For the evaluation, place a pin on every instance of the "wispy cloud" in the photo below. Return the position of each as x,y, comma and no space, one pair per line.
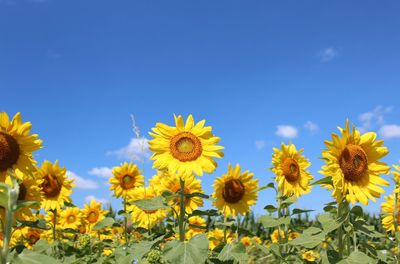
328,54
374,118
137,149
260,144
101,200
311,126
103,172
286,131
81,183
390,131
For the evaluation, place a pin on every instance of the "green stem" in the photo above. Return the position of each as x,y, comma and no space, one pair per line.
225,240
237,229
355,240
182,210
125,222
340,232
54,224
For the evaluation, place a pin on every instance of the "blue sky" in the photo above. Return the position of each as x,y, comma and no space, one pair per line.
260,73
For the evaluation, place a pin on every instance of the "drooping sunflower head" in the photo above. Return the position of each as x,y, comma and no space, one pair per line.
126,178
290,168
388,214
55,185
235,192
353,162
71,218
185,148
171,182
92,213
16,146
144,218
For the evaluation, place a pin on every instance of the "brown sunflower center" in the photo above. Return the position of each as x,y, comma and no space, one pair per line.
93,216
291,169
128,181
82,229
33,238
9,151
50,186
22,192
233,191
185,147
71,218
353,162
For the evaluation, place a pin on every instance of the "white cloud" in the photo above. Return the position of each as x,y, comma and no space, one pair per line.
260,144
328,54
81,183
103,172
286,131
374,118
390,131
101,200
311,126
137,149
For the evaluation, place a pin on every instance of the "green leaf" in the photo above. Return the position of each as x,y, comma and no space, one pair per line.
357,210
235,252
209,212
197,194
268,186
108,221
271,209
41,224
325,180
143,247
154,203
356,258
193,251
310,238
21,204
300,211
32,257
328,222
268,221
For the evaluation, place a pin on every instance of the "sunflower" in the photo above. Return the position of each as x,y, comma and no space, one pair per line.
55,186
353,163
396,177
216,237
71,218
16,146
290,168
126,178
92,213
310,256
235,192
156,181
144,218
388,214
185,148
276,235
192,185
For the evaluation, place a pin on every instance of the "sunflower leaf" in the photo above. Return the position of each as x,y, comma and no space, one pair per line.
21,204
189,252
325,180
154,203
300,211
108,221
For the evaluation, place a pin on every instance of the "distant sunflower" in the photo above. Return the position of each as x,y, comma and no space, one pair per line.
92,213
156,181
310,256
185,148
126,178
71,218
31,235
290,168
352,161
55,186
192,185
388,214
396,175
16,146
235,192
144,218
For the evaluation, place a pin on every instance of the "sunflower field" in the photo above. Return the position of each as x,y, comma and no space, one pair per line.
165,222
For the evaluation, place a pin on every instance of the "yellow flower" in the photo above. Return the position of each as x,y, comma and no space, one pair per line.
144,218
235,192
155,181
92,213
55,186
192,185
107,252
275,236
31,235
216,236
353,163
185,148
290,168
126,178
71,218
292,235
16,146
388,213
396,175
310,256
246,241
50,219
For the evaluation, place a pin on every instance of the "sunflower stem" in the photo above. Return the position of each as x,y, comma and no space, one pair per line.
125,223
54,224
237,229
182,210
225,230
340,232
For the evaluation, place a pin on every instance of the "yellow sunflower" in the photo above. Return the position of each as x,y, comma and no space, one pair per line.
185,148
290,168
31,235
310,256
388,214
55,186
396,177
16,146
156,181
192,185
276,235
235,192
216,236
92,213
144,218
71,218
352,161
126,178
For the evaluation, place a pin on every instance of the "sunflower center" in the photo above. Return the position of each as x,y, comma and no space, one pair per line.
22,192
9,151
82,229
291,169
71,218
185,147
353,162
93,216
50,186
233,191
33,238
128,182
